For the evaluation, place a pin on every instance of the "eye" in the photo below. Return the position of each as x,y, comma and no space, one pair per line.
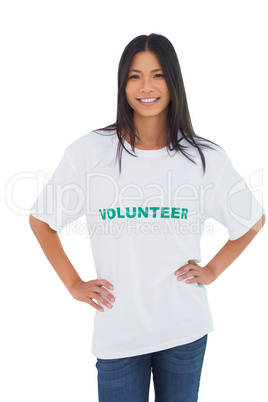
134,77
159,75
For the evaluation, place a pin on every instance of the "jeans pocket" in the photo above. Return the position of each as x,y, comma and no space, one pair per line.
112,364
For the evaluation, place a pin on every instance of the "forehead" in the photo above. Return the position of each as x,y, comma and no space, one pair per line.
144,60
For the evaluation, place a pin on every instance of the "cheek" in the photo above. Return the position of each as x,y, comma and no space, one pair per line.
168,97
164,90
129,89
129,93
129,100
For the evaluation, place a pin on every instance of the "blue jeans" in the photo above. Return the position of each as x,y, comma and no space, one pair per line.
176,375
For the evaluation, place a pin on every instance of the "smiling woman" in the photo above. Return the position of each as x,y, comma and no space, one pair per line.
148,95
158,204
149,68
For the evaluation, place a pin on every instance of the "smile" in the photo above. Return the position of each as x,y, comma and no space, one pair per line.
149,100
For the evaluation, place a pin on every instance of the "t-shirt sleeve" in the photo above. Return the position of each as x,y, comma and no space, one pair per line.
233,204
62,199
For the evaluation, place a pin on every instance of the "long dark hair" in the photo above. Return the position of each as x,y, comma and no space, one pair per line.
178,117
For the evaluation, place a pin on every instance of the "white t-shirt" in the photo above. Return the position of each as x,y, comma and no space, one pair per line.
143,225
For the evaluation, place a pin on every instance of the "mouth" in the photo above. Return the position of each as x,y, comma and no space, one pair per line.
148,101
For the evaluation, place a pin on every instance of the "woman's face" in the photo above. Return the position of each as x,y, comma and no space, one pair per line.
146,90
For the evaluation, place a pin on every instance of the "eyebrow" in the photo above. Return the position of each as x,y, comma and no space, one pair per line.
153,71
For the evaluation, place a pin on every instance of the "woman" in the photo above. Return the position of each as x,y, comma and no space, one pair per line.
147,184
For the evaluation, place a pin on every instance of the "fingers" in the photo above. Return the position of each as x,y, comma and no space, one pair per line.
100,299
192,264
191,273
98,291
103,282
97,296
95,305
103,291
94,289
188,271
184,269
193,280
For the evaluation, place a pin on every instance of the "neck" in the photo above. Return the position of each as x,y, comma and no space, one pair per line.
151,131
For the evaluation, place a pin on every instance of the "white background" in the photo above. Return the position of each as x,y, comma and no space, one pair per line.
58,82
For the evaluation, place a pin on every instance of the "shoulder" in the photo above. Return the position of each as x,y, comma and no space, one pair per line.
215,156
91,147
94,139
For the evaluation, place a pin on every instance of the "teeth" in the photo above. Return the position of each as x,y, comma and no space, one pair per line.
148,100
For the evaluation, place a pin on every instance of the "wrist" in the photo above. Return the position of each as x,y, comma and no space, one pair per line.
73,283
213,272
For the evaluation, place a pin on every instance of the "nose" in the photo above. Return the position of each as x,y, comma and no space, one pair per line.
146,85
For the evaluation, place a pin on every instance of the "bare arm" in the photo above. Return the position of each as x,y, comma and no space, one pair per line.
228,254
51,245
